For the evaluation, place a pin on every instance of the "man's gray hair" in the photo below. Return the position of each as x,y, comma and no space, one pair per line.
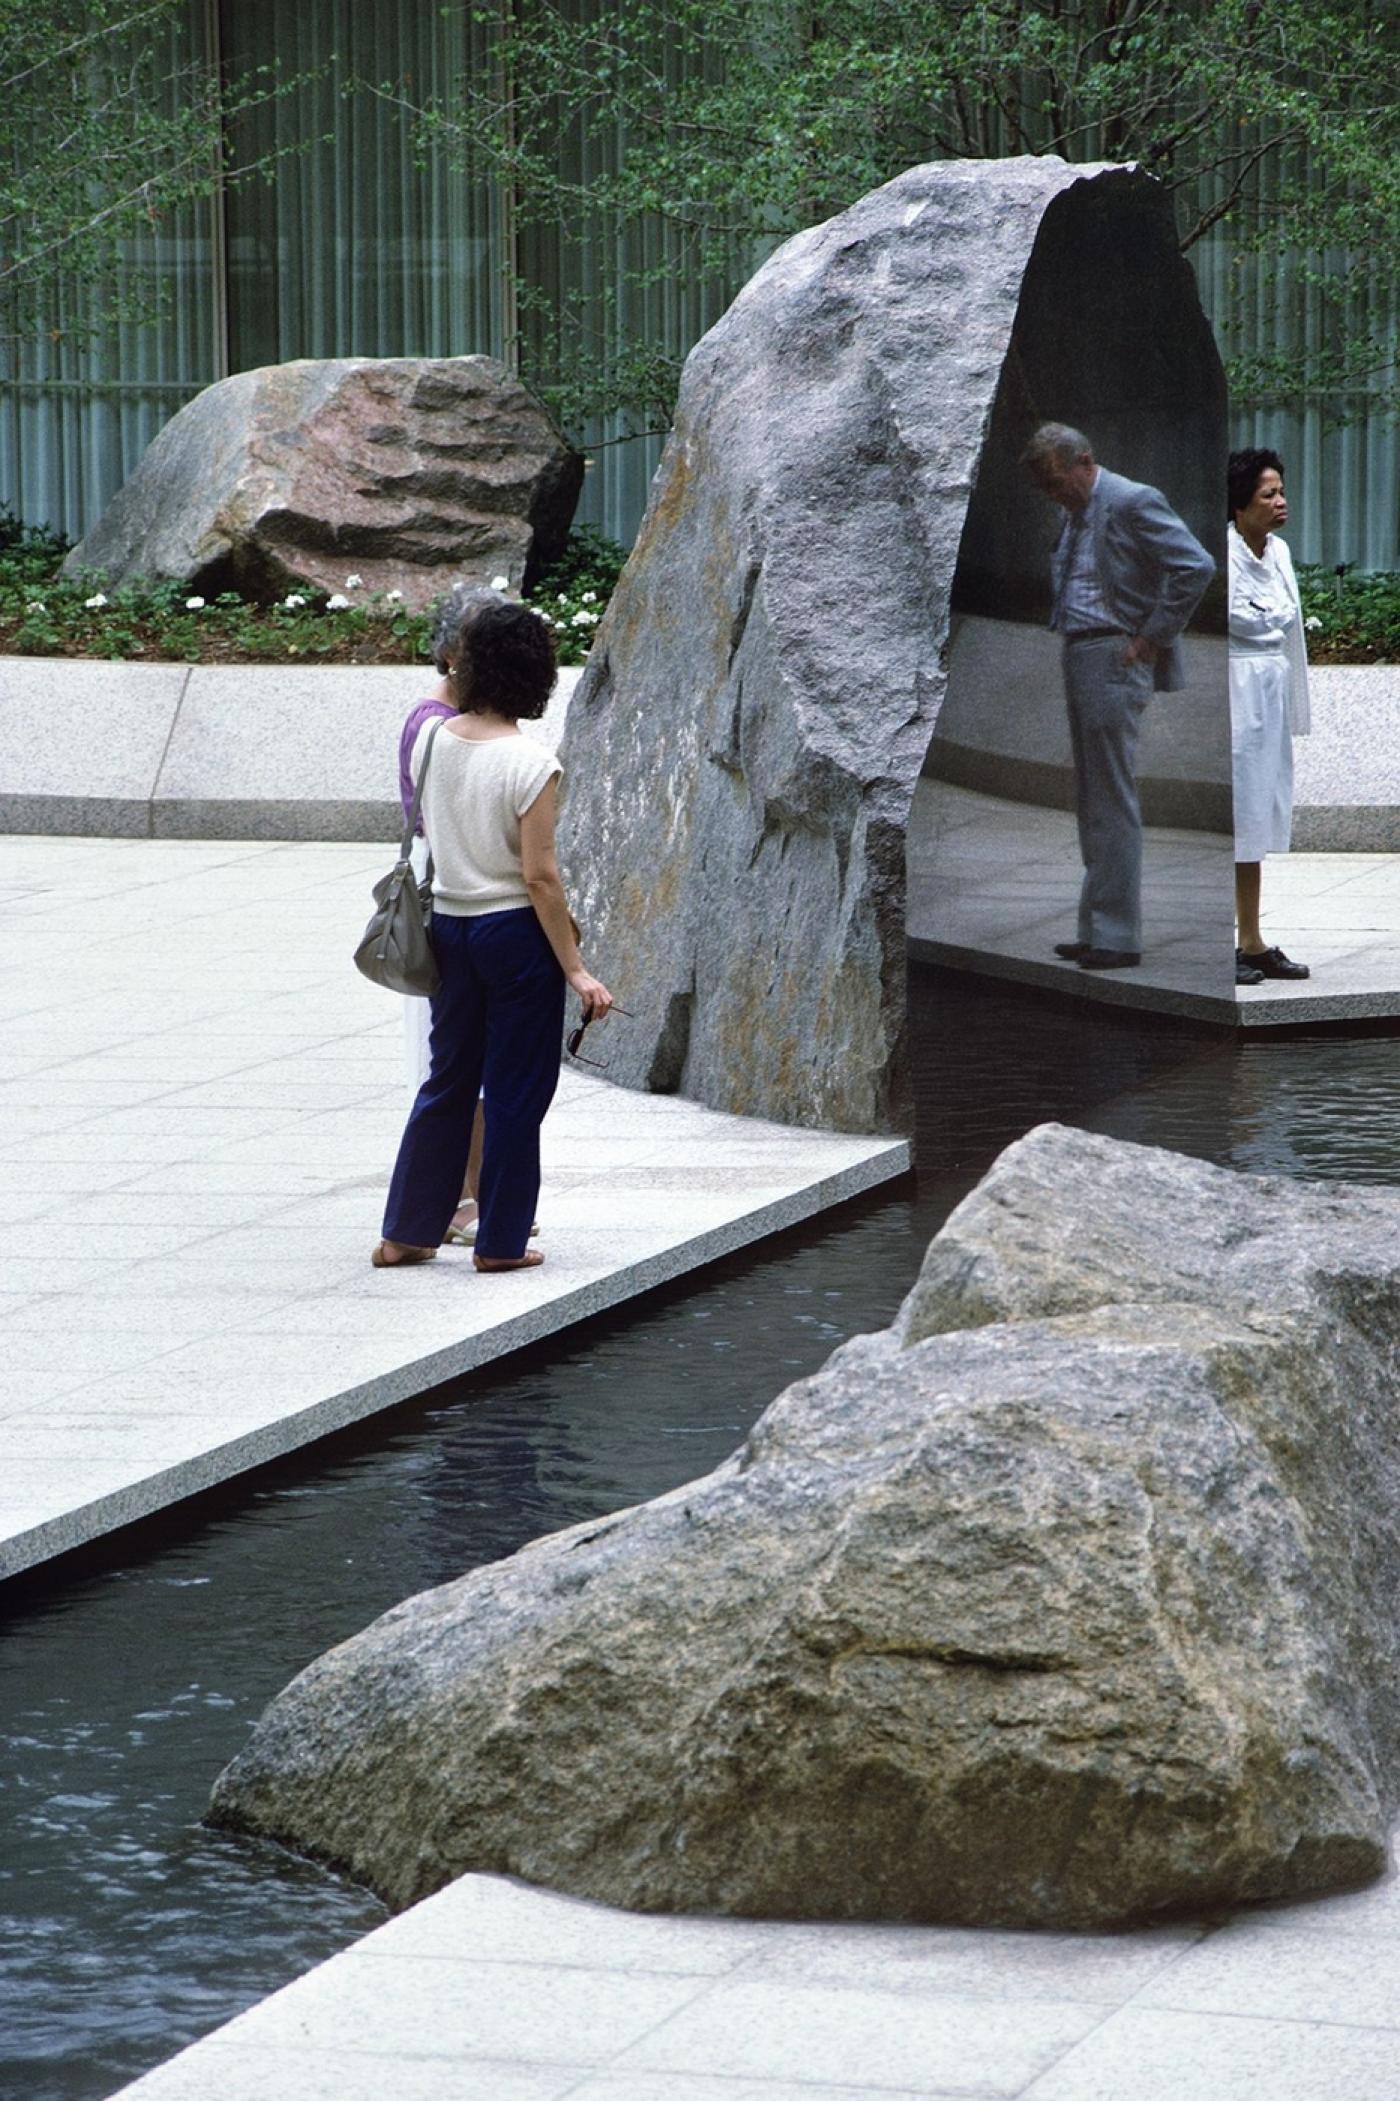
1058,442
452,615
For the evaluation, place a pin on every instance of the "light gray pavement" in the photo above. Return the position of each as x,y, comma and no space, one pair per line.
201,1102
993,885
491,1991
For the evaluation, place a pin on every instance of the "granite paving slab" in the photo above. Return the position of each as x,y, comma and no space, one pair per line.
491,1984
196,1129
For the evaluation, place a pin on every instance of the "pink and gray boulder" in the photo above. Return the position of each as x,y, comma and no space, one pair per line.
407,473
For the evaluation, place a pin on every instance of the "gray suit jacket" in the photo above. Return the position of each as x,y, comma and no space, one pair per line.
1152,569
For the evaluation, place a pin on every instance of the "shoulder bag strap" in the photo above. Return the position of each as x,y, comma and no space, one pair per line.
412,825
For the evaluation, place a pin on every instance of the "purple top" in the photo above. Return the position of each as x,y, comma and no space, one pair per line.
422,711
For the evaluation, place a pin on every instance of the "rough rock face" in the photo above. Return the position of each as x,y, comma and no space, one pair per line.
1072,1599
408,472
744,746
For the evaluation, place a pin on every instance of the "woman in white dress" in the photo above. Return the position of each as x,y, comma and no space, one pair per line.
1268,696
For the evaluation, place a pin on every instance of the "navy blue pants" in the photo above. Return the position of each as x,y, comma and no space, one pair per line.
497,1020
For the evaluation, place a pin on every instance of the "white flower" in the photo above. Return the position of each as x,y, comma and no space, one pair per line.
500,583
36,605
194,605
337,602
294,600
584,619
1312,623
354,583
395,596
562,599
98,598
590,598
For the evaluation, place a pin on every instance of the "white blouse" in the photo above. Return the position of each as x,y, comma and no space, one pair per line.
476,793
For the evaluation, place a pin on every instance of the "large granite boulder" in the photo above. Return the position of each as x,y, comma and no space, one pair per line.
408,472
744,747
1073,1599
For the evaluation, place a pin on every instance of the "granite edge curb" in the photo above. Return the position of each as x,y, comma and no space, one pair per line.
341,811
26,1550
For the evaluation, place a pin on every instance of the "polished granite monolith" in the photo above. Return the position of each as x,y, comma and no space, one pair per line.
745,744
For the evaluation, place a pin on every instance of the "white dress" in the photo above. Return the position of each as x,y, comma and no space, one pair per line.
1268,693
417,1013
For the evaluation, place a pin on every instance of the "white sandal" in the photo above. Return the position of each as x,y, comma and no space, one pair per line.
464,1235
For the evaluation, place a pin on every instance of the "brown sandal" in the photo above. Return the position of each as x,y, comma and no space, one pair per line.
405,1258
531,1259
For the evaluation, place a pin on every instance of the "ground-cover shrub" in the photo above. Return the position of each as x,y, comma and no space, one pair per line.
574,591
1352,615
45,614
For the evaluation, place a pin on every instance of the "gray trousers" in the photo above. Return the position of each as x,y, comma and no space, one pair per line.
1106,699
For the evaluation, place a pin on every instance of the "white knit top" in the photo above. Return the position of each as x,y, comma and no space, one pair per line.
476,794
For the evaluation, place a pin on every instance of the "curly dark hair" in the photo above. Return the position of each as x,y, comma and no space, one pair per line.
1244,474
503,655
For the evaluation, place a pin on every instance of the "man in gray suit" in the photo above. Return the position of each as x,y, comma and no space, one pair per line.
1127,577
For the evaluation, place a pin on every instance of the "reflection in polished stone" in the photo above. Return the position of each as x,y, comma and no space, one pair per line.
994,884
1109,341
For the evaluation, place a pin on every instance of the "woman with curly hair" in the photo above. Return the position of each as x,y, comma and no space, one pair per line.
503,938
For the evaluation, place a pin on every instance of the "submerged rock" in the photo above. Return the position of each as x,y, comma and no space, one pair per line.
408,472
1072,1599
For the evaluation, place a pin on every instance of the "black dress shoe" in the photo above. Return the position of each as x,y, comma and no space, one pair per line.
1245,972
1109,958
1071,950
1272,963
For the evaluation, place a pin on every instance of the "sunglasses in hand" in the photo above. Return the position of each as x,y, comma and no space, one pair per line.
575,1038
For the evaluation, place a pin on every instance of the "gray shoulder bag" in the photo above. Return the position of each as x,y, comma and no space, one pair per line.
394,950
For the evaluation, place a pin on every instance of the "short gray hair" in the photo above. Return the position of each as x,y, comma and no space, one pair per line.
453,615
1058,442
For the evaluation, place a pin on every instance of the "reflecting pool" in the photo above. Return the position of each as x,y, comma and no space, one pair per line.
126,1929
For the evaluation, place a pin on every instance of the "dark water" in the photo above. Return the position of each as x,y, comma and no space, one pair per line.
125,1928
